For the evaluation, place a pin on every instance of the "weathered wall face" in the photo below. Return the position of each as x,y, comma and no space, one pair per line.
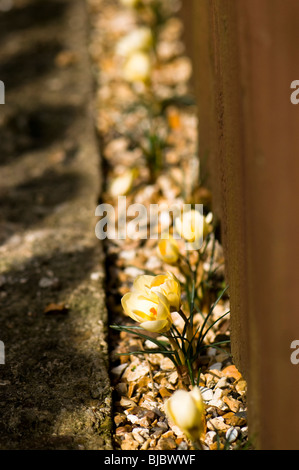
245,57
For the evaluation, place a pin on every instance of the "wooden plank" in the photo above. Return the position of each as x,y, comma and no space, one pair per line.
245,60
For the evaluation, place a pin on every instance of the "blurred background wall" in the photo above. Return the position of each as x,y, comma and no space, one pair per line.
245,56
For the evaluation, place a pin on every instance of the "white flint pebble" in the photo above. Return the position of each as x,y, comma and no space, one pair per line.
207,394
231,434
222,383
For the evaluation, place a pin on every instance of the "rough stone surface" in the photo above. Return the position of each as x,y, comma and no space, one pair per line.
54,387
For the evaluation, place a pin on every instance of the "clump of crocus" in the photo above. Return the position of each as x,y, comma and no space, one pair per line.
168,250
186,410
138,68
140,39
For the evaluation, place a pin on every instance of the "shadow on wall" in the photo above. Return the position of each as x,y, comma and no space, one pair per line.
25,130
38,13
48,370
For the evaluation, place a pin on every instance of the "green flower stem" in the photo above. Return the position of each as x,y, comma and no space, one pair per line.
189,330
176,347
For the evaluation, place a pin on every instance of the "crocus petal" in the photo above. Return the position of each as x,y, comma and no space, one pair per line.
158,326
142,283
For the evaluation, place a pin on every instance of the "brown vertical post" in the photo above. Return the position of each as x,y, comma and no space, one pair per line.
246,56
269,39
218,89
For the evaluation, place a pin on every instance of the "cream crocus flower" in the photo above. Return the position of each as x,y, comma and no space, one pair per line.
168,251
122,184
151,311
137,68
140,39
186,410
165,284
192,226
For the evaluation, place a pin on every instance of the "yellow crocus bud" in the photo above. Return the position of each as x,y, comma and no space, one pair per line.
192,226
151,311
168,251
186,410
138,68
167,285
122,184
140,39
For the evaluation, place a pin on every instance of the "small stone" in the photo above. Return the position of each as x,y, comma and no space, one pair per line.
244,432
157,432
146,445
166,364
231,371
126,403
133,419
173,378
218,404
216,366
212,378
164,392
177,431
150,345
232,435
211,352
127,254
183,446
129,443
145,422
233,419
150,415
137,436
218,394
233,404
222,383
134,373
121,388
168,434
133,272
123,429
162,425
207,394
217,424
118,370
120,419
143,432
210,438
166,444
241,387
